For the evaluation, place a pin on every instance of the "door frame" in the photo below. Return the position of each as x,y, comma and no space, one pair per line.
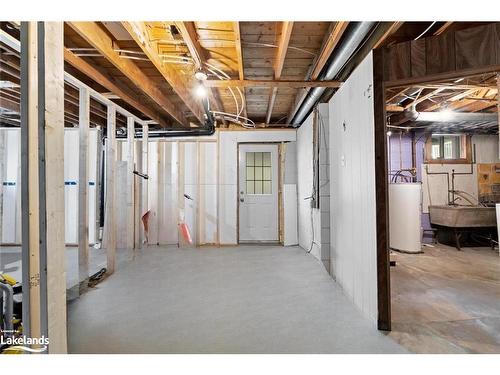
280,194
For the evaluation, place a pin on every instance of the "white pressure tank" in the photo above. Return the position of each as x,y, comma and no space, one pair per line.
405,210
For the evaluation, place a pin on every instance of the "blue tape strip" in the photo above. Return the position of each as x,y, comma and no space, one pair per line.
69,182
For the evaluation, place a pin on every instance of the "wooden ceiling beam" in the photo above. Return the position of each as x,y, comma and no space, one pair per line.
395,26
286,33
271,83
91,72
422,98
443,28
139,32
239,57
331,41
454,98
329,45
190,37
102,42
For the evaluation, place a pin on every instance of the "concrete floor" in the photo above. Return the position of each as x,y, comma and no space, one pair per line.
10,262
447,301
246,299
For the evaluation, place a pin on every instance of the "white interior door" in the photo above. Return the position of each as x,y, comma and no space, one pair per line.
258,192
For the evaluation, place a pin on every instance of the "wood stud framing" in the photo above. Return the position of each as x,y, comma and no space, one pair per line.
42,158
110,210
83,168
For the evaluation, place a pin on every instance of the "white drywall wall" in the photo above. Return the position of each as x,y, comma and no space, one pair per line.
352,189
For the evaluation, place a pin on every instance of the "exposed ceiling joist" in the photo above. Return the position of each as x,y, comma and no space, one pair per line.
454,98
286,32
100,40
332,41
9,104
239,56
391,30
139,32
443,28
91,72
188,33
422,98
271,83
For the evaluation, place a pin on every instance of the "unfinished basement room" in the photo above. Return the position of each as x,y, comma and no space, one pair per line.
249,187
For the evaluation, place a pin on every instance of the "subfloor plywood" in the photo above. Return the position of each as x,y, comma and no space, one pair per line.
447,301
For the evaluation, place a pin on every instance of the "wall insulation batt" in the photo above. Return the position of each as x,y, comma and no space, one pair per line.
11,188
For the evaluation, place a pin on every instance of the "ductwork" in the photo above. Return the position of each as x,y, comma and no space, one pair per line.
338,60
411,115
456,116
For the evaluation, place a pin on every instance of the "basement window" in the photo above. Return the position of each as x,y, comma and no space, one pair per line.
258,168
448,148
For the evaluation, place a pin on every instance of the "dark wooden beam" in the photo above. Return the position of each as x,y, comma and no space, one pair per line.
381,195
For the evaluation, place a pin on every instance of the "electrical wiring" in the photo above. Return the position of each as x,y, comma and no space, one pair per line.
425,31
239,109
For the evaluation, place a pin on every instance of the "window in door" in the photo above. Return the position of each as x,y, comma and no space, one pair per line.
258,173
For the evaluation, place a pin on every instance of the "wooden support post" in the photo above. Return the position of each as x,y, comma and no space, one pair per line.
42,159
145,183
498,107
110,216
381,194
83,167
130,183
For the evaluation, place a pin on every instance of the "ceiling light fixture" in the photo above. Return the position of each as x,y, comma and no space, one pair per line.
201,91
200,75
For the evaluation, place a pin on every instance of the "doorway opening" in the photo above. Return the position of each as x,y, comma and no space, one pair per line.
443,187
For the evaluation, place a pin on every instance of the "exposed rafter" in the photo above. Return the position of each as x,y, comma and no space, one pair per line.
101,41
286,32
139,32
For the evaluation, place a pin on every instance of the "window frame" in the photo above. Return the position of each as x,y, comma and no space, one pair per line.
468,151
